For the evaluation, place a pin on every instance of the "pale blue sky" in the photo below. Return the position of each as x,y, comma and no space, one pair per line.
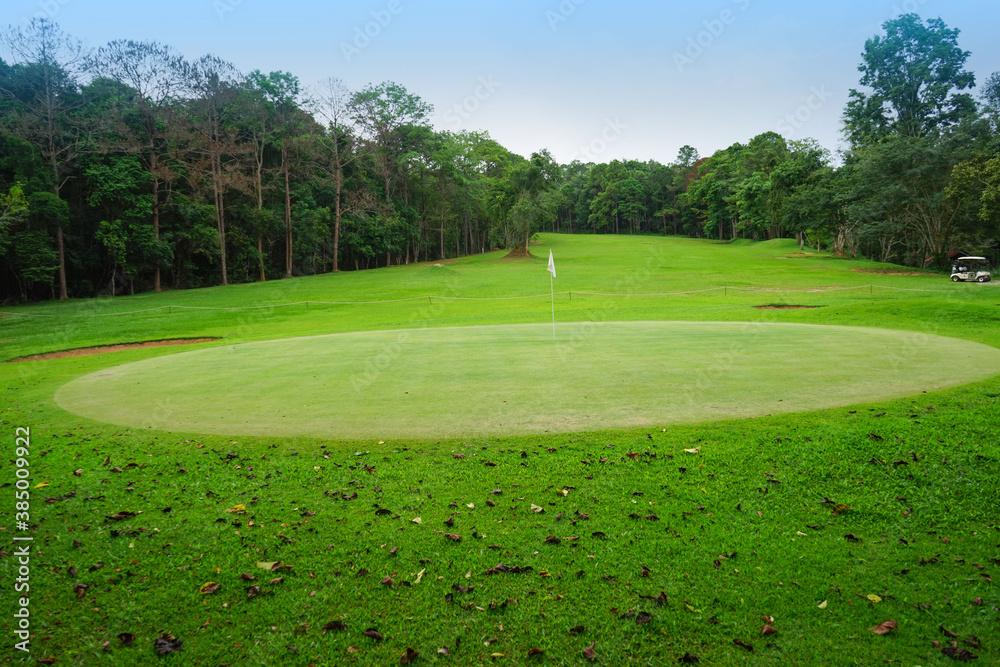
584,78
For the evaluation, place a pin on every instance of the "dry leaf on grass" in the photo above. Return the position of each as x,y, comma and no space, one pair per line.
884,628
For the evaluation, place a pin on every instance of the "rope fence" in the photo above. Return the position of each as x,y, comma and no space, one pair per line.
431,297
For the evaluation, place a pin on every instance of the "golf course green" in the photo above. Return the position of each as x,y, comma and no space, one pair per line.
516,380
720,436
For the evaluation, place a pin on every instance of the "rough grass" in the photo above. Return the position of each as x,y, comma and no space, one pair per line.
742,529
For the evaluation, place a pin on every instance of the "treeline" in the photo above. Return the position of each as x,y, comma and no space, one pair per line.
130,168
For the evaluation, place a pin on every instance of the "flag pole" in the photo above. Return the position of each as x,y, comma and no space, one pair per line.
552,288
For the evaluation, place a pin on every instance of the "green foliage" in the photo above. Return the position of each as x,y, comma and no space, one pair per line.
13,210
33,257
231,172
915,73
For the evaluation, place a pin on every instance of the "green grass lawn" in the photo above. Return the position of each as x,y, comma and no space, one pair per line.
460,381
651,541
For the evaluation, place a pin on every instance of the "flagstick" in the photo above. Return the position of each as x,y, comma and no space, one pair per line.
553,290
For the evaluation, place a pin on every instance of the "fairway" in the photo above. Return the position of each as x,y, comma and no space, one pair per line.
515,380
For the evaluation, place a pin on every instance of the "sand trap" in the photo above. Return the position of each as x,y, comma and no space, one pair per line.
118,347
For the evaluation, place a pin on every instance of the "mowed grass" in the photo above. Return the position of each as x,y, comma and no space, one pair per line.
677,551
460,382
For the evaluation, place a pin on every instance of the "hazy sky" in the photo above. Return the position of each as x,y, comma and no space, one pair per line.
588,79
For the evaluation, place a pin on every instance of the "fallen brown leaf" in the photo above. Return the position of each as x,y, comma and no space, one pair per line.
960,654
885,628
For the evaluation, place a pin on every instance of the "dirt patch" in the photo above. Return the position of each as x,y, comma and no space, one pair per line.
784,307
512,257
891,272
101,349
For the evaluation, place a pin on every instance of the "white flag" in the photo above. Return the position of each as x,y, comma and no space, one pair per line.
552,265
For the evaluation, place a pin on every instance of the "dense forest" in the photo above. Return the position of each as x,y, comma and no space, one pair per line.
130,167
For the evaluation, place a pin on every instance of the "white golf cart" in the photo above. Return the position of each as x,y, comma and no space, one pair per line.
969,269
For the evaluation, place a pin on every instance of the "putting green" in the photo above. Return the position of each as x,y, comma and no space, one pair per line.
503,380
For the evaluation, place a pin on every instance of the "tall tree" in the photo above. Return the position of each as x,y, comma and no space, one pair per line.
907,178
156,75
381,111
914,75
214,84
47,98
332,101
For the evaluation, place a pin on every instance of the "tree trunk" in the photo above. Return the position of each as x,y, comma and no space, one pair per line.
442,229
260,256
288,212
259,182
338,186
156,216
386,176
220,221
62,264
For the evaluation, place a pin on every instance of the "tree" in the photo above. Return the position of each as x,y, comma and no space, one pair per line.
686,156
155,75
632,204
904,180
991,100
914,74
523,208
332,102
381,111
13,210
215,83
47,99
119,188
816,207
709,195
443,165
